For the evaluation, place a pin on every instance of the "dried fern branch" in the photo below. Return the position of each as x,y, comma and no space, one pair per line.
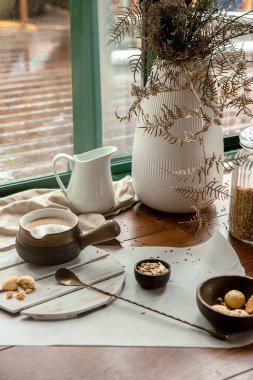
204,213
199,194
190,175
189,46
128,23
215,190
193,193
226,163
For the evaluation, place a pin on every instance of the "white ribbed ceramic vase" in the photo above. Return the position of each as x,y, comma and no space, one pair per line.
154,158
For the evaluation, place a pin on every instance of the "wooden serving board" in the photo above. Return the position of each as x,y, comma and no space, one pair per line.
52,300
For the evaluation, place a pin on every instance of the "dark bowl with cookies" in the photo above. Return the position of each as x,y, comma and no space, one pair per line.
215,302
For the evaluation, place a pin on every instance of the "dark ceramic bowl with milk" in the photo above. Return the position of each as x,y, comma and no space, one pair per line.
52,236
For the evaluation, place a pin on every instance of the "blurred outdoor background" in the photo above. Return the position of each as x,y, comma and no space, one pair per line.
36,92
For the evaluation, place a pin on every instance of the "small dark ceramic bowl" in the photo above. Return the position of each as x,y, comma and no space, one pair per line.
210,290
152,281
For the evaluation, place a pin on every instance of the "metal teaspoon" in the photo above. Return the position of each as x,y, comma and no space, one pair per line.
66,277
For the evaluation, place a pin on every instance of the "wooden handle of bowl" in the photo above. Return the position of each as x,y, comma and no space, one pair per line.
107,231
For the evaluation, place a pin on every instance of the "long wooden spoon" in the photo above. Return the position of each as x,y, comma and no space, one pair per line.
66,277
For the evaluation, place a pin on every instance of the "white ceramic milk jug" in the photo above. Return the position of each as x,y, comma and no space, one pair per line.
90,187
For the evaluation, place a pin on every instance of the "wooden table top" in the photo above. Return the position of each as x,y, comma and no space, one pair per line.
139,226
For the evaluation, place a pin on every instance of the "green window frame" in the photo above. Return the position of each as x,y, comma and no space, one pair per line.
87,108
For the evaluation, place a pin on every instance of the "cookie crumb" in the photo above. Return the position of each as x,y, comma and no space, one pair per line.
21,295
9,294
28,291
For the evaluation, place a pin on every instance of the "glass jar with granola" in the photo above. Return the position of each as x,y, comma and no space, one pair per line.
241,201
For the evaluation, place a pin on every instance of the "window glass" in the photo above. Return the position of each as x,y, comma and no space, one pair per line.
233,123
116,78
35,88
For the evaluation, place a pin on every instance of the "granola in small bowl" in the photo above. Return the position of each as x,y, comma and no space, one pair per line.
152,273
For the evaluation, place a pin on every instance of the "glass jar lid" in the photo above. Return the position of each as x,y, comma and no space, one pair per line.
246,137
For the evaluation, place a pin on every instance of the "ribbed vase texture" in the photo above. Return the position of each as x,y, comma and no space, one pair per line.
155,158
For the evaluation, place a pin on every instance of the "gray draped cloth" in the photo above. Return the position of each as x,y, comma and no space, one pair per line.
14,206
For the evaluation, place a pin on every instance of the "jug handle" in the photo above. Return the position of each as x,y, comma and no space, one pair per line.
107,231
58,157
